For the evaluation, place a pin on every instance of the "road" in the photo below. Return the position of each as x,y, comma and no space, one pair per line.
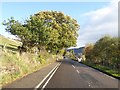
71,74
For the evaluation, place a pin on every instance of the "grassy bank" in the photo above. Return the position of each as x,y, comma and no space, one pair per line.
105,69
14,66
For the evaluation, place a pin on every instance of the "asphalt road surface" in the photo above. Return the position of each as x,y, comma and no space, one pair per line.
71,74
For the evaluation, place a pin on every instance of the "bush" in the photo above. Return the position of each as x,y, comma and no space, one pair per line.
105,52
41,59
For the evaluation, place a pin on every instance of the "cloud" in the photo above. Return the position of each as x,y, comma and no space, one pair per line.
99,23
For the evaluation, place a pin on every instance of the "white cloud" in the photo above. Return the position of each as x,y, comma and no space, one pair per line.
99,23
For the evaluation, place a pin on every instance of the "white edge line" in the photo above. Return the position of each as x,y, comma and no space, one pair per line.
45,77
50,78
101,72
109,76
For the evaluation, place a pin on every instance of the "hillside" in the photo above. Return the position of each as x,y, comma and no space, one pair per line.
14,66
9,42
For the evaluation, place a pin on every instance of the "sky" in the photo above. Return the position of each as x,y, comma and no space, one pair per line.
96,19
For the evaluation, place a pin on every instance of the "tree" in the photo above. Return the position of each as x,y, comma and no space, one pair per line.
50,30
61,28
101,49
105,52
88,51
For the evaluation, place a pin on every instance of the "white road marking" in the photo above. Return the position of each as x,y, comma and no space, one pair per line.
46,77
100,72
77,71
73,66
109,76
49,78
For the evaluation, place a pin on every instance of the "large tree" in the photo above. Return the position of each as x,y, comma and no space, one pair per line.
51,30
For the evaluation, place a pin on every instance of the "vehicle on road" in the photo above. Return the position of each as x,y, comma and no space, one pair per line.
78,58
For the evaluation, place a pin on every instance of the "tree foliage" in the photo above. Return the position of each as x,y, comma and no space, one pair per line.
50,30
105,52
88,51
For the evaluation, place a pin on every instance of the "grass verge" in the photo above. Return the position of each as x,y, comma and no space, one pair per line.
14,66
107,70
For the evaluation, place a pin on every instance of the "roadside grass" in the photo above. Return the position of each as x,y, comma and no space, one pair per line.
14,66
108,70
105,69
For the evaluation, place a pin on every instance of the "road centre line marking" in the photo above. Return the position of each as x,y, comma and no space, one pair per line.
73,66
46,77
49,78
77,71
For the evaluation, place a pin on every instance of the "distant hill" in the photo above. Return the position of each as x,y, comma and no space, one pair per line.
77,50
8,41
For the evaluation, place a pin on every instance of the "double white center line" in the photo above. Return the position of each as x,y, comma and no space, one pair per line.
49,76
